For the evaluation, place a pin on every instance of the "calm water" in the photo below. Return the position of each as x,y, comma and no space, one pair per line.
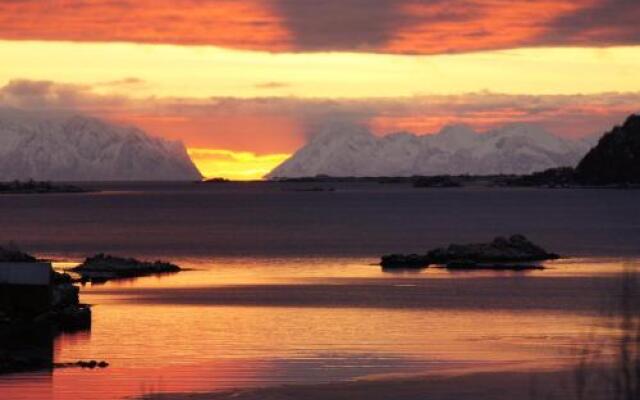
281,286
192,220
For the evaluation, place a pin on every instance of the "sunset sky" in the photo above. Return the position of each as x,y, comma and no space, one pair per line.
245,83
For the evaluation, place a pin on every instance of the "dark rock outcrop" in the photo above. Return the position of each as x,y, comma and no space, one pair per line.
513,253
616,158
103,267
405,261
516,248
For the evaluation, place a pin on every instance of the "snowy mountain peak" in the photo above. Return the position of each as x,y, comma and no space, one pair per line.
62,146
456,149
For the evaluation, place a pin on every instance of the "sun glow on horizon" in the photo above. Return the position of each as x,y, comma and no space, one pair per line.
234,165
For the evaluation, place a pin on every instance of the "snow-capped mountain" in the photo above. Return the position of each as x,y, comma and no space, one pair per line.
456,149
66,147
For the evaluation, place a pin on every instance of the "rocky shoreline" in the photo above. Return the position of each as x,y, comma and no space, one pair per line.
513,253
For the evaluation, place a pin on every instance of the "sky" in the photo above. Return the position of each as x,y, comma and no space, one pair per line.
245,83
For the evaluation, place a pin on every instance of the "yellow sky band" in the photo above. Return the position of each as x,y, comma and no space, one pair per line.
205,71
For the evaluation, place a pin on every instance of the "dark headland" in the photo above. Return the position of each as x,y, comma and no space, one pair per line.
616,158
614,162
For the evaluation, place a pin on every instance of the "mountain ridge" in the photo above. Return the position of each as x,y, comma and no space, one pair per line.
75,147
342,151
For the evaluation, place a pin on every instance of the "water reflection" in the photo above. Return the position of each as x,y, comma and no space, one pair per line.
253,322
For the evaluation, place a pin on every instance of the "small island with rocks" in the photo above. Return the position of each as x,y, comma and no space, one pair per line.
215,180
513,253
105,267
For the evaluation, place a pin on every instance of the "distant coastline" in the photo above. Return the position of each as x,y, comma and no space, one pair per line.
39,187
545,179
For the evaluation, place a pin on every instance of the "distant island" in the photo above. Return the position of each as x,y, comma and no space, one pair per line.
215,180
31,186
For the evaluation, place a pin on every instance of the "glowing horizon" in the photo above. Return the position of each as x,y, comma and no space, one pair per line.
237,166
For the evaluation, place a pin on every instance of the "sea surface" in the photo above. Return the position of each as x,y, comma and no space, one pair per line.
281,284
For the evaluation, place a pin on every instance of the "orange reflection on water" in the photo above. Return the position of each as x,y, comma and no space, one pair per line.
191,348
258,322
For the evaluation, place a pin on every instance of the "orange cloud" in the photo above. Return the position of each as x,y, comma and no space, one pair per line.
390,26
462,25
231,23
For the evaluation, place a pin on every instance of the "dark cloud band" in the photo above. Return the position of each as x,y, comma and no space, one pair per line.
387,26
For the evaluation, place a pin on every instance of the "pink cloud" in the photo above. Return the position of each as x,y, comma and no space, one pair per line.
279,125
